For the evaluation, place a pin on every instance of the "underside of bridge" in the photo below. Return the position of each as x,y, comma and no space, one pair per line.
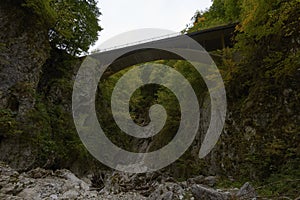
210,39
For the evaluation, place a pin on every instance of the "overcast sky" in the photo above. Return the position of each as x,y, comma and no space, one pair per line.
119,16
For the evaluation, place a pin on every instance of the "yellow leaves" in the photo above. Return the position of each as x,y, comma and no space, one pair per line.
250,8
201,19
275,147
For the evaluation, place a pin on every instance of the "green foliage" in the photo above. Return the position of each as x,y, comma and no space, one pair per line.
272,23
263,84
269,42
43,10
261,74
52,132
3,59
286,183
140,103
221,12
48,128
73,24
77,25
232,10
51,124
104,113
8,124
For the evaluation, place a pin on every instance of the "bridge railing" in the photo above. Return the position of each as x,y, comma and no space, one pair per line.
137,42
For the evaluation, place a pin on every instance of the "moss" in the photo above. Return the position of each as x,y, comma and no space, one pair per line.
3,60
23,89
8,124
285,183
225,182
48,128
43,10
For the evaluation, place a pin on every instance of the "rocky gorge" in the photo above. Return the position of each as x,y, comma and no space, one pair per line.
44,156
41,184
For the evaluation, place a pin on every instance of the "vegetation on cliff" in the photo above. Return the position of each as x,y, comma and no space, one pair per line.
261,137
36,78
73,24
261,73
263,90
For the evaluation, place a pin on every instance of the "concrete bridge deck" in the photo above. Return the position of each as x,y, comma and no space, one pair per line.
210,39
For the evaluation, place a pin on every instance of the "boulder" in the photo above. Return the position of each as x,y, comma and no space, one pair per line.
167,191
246,192
203,193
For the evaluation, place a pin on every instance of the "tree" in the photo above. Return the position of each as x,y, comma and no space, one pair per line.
77,27
73,24
221,12
232,10
270,33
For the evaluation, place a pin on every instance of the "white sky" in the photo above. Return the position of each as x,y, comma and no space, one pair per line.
119,16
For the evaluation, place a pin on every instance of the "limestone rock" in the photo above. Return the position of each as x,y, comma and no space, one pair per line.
246,192
210,180
167,191
41,184
203,193
24,48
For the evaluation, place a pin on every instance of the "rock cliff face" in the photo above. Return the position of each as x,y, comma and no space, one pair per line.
24,48
35,95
